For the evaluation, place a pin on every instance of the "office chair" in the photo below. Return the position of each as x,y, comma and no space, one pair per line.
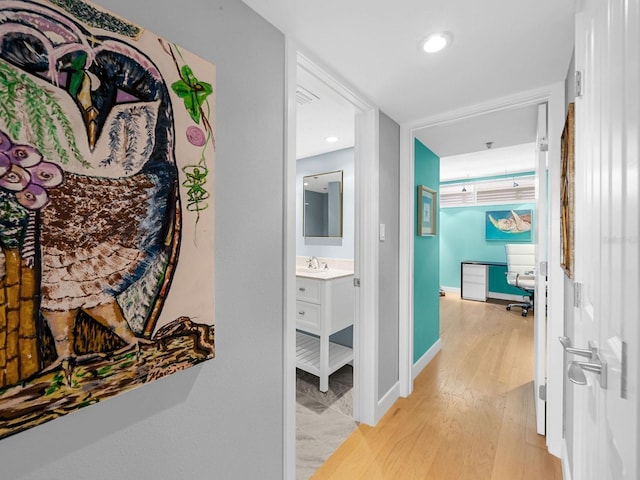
521,261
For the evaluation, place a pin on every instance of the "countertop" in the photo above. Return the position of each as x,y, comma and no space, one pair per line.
322,274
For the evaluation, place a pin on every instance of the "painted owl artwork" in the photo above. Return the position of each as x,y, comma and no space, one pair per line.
106,209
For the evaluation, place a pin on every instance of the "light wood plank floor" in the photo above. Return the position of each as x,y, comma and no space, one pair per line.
471,415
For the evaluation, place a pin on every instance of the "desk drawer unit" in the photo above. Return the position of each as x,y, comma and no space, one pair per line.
474,282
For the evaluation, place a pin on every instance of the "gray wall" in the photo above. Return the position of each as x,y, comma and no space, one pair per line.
221,419
389,259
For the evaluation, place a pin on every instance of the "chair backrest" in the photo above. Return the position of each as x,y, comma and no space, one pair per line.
521,257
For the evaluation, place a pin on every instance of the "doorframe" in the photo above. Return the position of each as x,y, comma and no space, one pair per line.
553,95
365,329
542,245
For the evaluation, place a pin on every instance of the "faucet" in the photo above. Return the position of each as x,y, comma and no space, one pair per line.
313,263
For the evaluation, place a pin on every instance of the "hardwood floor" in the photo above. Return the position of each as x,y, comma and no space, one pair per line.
471,415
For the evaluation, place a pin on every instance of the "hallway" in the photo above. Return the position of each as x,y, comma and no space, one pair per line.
471,415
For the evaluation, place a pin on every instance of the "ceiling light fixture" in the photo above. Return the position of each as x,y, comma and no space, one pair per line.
436,42
331,139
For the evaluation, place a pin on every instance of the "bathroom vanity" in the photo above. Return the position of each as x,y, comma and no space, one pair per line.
324,306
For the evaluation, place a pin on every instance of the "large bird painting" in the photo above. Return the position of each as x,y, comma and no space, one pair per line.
106,213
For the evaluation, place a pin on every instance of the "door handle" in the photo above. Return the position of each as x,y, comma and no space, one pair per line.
576,370
583,352
576,374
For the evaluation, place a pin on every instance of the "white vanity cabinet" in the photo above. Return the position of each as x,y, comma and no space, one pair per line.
324,306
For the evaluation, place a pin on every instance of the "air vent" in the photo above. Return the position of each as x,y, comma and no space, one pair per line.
488,192
453,196
304,96
507,195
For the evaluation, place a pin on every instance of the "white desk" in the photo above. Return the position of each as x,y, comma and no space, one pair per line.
474,279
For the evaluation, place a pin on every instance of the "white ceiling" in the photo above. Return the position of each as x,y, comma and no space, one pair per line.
503,128
485,163
499,48
321,113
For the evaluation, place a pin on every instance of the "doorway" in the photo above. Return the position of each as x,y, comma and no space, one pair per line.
553,96
364,249
325,266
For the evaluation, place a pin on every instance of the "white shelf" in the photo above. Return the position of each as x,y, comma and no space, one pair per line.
308,354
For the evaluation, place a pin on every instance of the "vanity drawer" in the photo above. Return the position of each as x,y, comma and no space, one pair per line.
307,289
308,317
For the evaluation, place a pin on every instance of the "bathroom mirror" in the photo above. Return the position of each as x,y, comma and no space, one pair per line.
322,202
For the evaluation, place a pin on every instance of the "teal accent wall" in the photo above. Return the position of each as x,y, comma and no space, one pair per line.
462,237
498,281
426,266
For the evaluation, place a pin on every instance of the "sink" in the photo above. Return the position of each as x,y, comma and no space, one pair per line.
321,273
311,271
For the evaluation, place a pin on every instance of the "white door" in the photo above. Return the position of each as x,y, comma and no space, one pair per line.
540,310
606,257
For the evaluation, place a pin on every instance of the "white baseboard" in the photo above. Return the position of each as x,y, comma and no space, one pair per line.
451,289
385,403
500,296
425,359
564,459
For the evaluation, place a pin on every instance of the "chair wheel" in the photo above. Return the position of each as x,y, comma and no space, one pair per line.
524,313
508,307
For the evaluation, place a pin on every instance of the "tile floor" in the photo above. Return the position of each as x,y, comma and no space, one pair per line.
323,420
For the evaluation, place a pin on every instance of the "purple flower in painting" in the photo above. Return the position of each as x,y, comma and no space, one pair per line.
16,179
5,163
24,155
46,174
24,172
34,197
196,136
5,142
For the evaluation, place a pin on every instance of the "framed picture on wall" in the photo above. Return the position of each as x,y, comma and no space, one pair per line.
567,192
106,209
509,225
427,203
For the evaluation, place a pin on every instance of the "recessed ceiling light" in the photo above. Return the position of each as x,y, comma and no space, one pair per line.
331,139
436,42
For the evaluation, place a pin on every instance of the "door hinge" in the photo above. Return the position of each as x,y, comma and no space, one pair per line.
578,83
577,294
542,392
356,282
544,265
544,144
